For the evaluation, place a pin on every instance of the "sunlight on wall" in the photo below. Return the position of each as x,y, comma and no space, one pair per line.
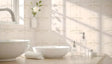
107,28
78,21
82,14
57,20
87,16
107,23
21,12
76,18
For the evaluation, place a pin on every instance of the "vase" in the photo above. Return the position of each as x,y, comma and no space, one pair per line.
33,22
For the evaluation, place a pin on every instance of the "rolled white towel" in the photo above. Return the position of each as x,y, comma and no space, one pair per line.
34,55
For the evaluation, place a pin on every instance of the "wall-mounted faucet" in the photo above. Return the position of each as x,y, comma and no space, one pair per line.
10,11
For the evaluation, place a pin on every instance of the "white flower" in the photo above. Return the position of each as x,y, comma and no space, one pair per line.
35,9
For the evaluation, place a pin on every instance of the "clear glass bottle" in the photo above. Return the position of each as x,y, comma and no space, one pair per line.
83,42
73,49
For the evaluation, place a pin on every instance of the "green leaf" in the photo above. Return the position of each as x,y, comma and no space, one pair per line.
40,5
40,1
39,10
37,3
32,8
34,13
31,3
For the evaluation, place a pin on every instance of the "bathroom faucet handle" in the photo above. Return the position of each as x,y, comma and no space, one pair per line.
74,44
83,35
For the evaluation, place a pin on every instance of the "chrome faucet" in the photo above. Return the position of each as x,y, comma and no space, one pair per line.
10,11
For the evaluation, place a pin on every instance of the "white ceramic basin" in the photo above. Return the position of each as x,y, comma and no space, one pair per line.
11,49
53,51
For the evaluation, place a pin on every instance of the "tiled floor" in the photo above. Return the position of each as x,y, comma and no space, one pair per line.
65,60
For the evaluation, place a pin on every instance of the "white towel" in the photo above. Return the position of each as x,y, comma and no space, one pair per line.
34,55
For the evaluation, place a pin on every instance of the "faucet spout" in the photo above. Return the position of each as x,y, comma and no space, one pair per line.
10,11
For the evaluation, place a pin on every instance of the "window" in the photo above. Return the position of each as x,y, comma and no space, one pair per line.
16,6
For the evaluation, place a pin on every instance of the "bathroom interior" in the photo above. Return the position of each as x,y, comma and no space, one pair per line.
55,32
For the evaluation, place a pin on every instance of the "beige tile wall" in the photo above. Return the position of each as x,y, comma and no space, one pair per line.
38,36
82,16
91,17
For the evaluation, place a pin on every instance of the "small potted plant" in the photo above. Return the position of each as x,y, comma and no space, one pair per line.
35,9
